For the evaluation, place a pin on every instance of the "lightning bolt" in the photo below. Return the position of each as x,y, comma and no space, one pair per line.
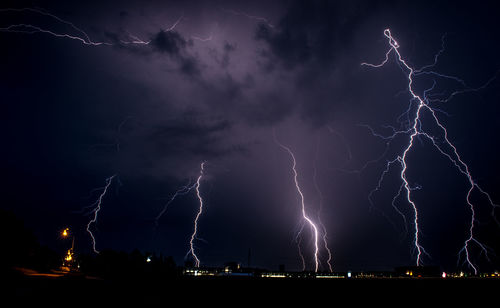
320,195
298,241
96,208
117,138
184,190
200,211
76,34
415,130
259,19
208,38
305,217
344,143
202,39
79,34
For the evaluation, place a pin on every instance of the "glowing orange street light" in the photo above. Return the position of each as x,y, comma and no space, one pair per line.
69,256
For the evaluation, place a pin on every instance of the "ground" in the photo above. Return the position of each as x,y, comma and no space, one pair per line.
81,289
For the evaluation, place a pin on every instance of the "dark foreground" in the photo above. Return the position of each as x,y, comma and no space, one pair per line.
231,291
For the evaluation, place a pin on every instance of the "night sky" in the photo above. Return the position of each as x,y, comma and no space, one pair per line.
219,81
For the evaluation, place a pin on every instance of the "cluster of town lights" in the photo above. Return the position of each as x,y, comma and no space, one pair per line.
408,274
228,271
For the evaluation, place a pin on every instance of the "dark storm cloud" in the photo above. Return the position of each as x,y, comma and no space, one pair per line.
222,91
169,42
190,66
314,44
228,49
314,32
223,58
269,109
172,43
191,135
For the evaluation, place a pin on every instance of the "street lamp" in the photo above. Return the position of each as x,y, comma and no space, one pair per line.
69,258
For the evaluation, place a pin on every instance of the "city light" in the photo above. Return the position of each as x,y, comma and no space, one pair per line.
69,256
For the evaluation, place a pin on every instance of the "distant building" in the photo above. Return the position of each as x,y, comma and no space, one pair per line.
231,267
418,271
202,271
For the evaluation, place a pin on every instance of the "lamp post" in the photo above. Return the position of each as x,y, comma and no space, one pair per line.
69,259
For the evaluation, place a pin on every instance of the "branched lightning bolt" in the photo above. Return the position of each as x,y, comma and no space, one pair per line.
320,196
298,241
79,34
184,190
76,34
96,208
180,192
302,202
200,211
413,128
